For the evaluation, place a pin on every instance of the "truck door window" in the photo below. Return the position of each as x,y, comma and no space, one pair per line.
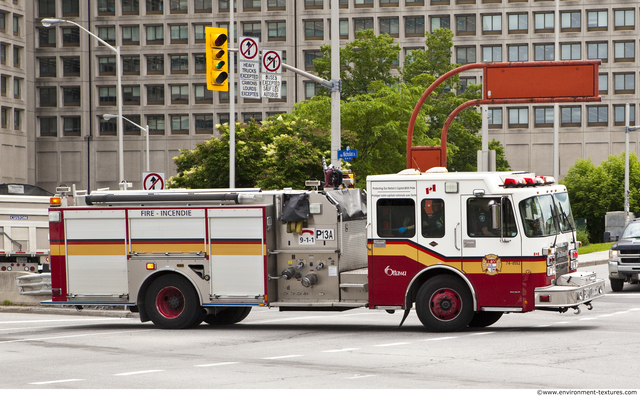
396,217
479,221
538,216
432,218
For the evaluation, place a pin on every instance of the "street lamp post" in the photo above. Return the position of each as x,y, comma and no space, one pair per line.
52,21
146,132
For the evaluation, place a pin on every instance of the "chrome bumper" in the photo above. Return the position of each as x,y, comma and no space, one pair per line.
568,296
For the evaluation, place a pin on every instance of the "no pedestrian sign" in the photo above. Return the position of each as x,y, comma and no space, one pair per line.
153,180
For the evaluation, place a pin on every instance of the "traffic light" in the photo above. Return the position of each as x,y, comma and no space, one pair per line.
217,59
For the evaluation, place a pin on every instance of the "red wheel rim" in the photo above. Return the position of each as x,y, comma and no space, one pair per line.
445,304
170,302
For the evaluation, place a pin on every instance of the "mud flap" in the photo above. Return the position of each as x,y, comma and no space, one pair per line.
404,317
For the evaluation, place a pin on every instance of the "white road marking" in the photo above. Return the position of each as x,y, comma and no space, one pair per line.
281,357
361,376
62,320
71,336
439,339
342,350
394,344
215,364
140,372
588,319
54,382
312,317
479,334
545,325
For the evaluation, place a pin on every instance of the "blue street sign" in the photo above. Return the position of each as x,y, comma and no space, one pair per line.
347,155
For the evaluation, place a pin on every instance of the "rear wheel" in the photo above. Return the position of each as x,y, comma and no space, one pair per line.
172,303
484,318
617,284
227,316
444,303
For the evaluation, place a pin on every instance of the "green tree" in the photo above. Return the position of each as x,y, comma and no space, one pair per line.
596,190
435,61
364,60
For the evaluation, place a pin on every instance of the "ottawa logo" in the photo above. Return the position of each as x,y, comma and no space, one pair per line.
392,272
491,264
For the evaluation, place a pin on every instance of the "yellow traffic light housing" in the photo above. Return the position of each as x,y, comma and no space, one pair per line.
217,59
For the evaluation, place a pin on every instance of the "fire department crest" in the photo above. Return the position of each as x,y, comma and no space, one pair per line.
491,264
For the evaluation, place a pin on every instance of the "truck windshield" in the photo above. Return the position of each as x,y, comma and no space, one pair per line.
563,209
538,216
632,231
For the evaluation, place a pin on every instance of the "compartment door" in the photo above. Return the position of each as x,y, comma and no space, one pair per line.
237,253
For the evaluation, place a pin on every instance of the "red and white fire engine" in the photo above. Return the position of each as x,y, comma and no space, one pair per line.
462,248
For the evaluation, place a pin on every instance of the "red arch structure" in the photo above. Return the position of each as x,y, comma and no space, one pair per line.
509,83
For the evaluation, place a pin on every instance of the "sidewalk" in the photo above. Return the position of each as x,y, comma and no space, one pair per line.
596,258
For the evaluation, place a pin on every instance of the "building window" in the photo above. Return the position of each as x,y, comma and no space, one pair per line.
202,94
71,66
180,124
570,51
598,51
410,3
252,29
390,26
16,88
179,64
46,8
313,30
49,126
202,6
3,54
624,83
223,6
204,124
277,31
17,119
466,55
624,51
156,124
108,34
310,89
155,64
363,3
495,118
131,65
277,5
179,94
544,52
414,26
464,84
251,5
389,3
309,56
107,65
199,32
107,96
363,24
597,116
544,22
155,35
155,6
570,21
16,56
71,37
344,28
131,95
179,34
619,112
570,116
248,117
518,24
543,117
108,127
46,37
492,24
106,7
603,84
155,94
71,96
466,25
70,8
518,53
72,126
129,128
16,24
440,22
3,85
313,4
178,6
492,53
131,35
597,20
624,19
519,118
4,117
47,67
130,7
3,22
200,62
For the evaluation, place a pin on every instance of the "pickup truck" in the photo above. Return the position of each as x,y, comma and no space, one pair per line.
624,257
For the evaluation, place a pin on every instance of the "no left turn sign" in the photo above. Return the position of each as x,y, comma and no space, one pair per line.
248,48
153,180
271,61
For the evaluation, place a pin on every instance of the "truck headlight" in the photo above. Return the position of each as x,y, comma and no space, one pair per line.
613,254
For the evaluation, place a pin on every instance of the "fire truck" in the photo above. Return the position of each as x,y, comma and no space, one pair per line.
460,248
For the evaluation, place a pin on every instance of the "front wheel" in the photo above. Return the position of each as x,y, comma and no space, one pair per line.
444,303
172,303
617,284
227,316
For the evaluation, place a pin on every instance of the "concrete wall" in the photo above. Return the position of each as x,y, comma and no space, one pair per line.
9,290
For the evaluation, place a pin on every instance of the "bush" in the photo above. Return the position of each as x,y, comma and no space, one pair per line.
7,303
583,236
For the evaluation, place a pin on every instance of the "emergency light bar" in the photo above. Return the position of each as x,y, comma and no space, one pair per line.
528,181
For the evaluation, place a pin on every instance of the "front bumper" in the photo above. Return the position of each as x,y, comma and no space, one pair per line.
624,271
558,297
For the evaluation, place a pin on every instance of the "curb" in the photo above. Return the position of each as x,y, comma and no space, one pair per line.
69,311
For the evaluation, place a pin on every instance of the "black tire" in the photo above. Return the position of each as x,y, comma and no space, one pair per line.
617,284
444,304
484,318
172,303
227,316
